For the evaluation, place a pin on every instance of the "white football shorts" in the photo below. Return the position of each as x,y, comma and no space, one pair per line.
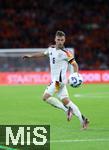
59,89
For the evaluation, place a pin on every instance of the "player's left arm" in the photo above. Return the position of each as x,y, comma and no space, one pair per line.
75,65
72,61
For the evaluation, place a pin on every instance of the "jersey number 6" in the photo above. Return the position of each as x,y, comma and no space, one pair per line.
53,60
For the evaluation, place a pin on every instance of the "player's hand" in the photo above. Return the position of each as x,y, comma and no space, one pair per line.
26,57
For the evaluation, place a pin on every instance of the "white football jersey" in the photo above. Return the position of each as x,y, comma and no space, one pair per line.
59,60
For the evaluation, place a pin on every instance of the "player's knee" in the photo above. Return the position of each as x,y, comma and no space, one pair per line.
65,101
45,97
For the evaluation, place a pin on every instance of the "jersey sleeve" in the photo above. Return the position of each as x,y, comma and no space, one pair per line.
70,56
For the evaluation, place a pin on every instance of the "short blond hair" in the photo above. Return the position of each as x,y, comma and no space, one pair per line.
60,33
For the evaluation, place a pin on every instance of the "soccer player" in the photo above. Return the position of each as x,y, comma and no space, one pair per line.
59,60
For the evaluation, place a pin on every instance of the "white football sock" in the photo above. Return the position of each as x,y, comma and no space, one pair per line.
76,110
55,102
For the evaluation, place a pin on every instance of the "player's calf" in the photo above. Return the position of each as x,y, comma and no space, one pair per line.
54,102
69,114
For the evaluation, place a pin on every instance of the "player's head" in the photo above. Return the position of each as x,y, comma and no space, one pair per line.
60,39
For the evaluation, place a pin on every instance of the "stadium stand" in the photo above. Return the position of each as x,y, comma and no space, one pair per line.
33,24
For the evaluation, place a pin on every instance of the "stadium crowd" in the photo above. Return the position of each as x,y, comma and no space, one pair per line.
33,24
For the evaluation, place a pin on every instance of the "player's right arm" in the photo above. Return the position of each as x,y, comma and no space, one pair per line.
37,54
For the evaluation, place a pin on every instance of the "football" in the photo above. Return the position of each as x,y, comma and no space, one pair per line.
75,80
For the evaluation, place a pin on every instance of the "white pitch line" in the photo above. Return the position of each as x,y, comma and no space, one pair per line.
79,140
95,95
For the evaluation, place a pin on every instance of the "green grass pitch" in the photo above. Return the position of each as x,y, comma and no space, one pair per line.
24,105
